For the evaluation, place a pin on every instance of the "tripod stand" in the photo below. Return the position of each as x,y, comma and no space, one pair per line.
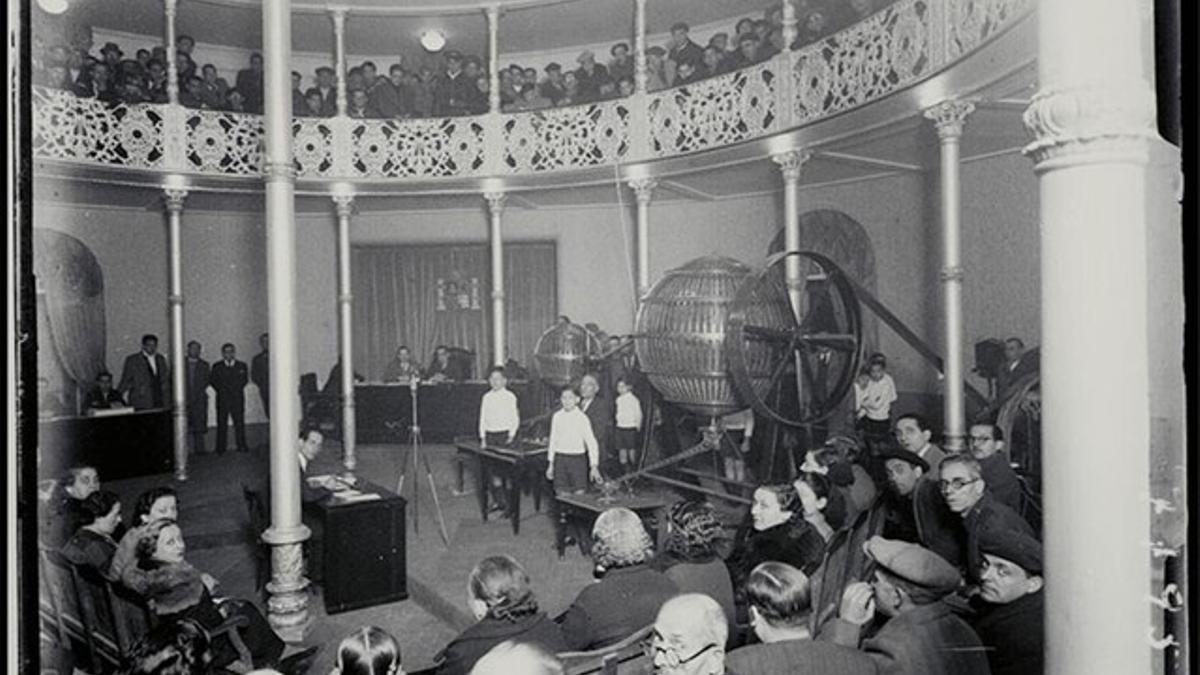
414,453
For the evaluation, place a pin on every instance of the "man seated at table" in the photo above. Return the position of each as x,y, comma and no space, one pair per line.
444,368
104,396
401,368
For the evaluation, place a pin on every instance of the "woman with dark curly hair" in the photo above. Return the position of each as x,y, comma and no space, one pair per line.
630,591
689,556
505,607
157,503
821,504
176,590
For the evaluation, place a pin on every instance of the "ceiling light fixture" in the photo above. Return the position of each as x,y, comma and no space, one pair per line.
53,6
433,40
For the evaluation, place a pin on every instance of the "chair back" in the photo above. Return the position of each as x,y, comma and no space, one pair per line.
623,658
61,582
97,604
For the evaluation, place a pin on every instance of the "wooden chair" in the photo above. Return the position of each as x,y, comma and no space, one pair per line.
59,576
257,512
625,657
110,639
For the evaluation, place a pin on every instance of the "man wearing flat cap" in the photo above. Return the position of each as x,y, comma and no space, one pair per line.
1009,613
920,634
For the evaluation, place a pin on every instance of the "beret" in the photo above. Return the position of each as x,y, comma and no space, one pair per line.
906,455
914,564
1014,546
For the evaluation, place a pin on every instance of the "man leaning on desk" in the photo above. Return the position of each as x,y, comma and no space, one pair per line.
104,396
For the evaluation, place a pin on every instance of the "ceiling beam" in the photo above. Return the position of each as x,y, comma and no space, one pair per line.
869,161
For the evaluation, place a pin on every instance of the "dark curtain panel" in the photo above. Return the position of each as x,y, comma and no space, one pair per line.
426,295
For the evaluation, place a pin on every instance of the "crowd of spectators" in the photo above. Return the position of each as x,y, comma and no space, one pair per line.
460,86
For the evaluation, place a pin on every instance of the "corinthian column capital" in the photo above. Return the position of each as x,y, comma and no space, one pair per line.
495,201
1099,122
173,199
791,162
643,189
344,203
949,116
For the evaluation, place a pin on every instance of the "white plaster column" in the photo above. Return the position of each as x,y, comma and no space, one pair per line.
493,22
169,9
344,203
339,41
640,77
791,24
495,201
287,606
643,189
1093,126
790,163
173,199
948,118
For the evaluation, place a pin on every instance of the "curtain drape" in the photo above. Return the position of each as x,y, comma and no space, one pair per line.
73,283
426,295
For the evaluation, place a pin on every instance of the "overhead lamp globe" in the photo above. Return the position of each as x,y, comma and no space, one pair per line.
53,6
433,40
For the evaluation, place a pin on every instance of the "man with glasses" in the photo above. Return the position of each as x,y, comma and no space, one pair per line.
987,446
966,494
688,637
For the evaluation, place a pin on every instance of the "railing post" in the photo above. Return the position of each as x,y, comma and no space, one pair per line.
639,103
938,20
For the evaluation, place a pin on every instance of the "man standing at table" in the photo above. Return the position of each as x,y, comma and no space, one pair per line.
145,380
260,373
228,378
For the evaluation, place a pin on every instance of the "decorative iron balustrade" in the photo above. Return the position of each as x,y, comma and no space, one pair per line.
897,46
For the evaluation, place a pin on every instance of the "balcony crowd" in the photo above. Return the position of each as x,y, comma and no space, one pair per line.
458,86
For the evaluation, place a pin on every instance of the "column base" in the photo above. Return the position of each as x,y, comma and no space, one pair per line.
287,606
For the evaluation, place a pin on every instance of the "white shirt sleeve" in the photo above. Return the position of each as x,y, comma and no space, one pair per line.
637,411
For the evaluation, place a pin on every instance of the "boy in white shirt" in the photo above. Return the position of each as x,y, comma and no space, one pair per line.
499,418
873,399
573,455
629,422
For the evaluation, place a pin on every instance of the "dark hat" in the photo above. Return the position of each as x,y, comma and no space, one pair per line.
325,69
1014,546
111,47
553,65
613,49
656,51
454,55
296,73
914,564
906,455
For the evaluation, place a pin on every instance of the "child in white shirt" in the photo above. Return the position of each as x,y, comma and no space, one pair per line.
874,395
573,455
629,423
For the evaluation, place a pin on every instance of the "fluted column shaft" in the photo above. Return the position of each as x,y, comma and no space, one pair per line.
643,189
493,21
495,201
640,77
790,163
169,10
287,605
1093,126
948,118
345,208
173,199
339,41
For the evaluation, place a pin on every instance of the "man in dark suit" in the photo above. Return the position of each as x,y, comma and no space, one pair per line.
228,378
145,377
250,84
445,368
683,49
452,92
297,94
197,376
920,633
967,495
104,396
308,448
1008,612
599,411
1018,363
260,373
327,87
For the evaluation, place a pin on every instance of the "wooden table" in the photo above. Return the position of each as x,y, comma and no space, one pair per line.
521,469
587,506
363,549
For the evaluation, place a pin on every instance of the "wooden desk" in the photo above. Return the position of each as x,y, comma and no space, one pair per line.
522,469
586,507
445,411
363,549
120,445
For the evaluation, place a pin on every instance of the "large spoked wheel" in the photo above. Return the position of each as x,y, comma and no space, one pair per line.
793,353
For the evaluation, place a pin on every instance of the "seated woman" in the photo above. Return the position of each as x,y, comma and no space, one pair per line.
689,556
778,532
63,508
92,545
506,609
629,593
838,460
157,503
368,651
821,504
176,590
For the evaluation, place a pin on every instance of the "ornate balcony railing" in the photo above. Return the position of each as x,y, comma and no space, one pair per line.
896,47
